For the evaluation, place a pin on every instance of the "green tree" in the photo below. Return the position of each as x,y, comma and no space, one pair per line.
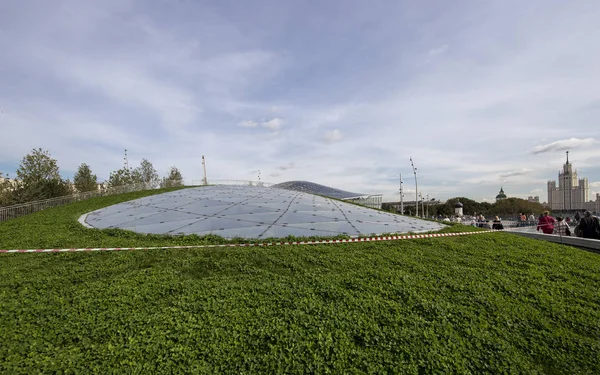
39,178
469,206
124,176
514,206
148,174
84,179
6,188
174,178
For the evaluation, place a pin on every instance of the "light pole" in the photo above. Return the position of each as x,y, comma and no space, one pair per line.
427,214
416,186
401,197
205,181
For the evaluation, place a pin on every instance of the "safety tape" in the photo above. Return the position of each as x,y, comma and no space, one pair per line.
350,240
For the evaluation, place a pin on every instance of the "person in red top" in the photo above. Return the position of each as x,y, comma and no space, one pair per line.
546,223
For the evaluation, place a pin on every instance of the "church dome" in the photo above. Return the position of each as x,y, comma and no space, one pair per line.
458,205
501,195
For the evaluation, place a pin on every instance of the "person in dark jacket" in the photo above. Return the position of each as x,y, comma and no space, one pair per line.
497,224
589,226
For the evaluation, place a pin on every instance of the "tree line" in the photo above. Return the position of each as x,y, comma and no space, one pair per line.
503,208
38,177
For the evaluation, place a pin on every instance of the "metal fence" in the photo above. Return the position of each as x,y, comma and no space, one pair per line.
18,210
233,182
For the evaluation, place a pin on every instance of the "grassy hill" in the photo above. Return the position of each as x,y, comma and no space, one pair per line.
489,303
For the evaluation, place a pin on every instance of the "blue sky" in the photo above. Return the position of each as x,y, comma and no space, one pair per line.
481,94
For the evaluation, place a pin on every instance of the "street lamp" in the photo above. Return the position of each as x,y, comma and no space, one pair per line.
416,186
401,197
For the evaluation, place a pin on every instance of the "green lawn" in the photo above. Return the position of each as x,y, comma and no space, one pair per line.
489,303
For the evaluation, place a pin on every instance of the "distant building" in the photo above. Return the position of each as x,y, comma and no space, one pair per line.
500,195
571,194
593,206
535,199
458,209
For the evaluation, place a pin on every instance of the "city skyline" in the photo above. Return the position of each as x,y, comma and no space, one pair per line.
481,96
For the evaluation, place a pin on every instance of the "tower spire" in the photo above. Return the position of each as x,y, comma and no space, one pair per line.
567,157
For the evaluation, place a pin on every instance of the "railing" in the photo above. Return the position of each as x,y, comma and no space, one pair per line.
234,182
18,210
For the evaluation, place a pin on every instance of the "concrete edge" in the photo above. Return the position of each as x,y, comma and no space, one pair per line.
582,243
82,221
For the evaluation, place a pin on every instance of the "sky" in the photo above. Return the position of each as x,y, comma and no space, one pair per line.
480,94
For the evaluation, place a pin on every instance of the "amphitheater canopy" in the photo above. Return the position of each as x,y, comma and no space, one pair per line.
250,212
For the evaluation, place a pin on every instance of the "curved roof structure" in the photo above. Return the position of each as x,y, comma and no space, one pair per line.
250,212
312,188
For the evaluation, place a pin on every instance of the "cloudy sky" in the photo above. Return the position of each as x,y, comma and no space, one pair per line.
481,94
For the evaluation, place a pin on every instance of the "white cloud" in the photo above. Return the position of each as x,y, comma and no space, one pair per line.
273,124
248,124
564,145
287,166
438,51
333,136
520,172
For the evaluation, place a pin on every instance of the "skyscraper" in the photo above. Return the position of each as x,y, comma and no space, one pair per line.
571,193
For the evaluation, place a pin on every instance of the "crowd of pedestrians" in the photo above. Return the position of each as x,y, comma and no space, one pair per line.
583,225
586,226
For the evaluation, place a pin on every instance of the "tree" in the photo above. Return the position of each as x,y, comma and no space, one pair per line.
124,176
6,189
38,166
148,174
39,178
84,179
174,179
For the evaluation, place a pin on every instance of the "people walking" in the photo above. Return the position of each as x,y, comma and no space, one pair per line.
522,220
546,223
481,221
561,227
589,226
497,224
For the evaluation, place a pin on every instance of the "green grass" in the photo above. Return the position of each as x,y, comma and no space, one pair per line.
489,303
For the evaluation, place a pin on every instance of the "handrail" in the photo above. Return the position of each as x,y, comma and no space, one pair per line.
22,209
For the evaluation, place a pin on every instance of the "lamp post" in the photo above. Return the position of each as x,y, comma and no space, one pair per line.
427,214
416,186
401,197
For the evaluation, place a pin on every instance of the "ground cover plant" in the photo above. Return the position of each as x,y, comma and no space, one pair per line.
485,303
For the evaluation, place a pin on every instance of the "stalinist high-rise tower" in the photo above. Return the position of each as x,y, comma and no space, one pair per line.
571,193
